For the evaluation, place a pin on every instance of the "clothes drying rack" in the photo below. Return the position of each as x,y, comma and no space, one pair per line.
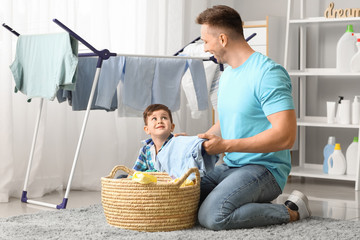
102,55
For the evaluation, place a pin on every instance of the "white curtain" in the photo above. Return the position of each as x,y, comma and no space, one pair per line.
138,26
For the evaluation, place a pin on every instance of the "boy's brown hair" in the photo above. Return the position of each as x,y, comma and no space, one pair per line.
223,17
154,107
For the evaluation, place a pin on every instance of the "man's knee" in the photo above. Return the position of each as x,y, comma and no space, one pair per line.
209,219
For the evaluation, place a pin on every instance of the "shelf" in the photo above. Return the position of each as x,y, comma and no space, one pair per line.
315,171
324,20
299,42
322,72
322,122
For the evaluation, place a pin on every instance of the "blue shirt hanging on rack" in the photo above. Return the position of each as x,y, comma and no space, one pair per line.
138,78
166,82
110,75
145,81
157,80
79,98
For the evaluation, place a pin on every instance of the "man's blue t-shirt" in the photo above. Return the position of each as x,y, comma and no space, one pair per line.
247,95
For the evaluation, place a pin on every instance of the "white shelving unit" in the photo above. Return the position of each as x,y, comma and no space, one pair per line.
302,73
321,72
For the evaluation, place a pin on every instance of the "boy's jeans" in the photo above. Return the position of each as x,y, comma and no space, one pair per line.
240,197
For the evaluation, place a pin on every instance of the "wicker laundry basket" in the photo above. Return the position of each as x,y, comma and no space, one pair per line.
161,206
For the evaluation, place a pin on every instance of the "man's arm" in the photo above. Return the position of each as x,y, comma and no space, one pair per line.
215,129
279,137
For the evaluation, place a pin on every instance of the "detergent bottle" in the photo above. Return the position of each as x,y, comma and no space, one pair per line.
345,50
355,110
345,112
328,150
337,162
351,157
355,60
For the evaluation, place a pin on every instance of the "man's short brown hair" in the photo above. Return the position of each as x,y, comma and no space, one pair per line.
222,16
155,107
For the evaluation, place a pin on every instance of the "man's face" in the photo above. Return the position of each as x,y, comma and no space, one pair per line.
212,43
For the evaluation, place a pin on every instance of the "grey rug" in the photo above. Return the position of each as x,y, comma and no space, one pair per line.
90,223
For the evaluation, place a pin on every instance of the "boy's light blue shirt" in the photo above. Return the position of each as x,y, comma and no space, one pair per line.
247,95
147,155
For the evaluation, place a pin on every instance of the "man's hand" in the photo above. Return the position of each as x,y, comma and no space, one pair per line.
214,144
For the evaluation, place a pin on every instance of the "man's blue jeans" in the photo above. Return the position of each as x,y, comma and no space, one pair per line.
233,198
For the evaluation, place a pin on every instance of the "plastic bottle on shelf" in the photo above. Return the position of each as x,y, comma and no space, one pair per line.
328,150
351,157
337,162
337,117
355,60
355,111
345,112
345,50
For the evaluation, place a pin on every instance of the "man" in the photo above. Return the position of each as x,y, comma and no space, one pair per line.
256,129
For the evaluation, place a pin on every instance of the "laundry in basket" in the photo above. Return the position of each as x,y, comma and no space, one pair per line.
160,206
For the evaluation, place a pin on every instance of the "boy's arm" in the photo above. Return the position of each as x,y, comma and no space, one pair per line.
140,163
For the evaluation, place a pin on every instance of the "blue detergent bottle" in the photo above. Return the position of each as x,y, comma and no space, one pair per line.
328,150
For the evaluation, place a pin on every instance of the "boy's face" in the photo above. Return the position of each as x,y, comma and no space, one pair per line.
159,124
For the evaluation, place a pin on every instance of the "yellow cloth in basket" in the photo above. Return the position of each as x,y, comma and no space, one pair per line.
143,178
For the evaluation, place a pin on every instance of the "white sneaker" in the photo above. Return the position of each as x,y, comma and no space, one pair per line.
299,202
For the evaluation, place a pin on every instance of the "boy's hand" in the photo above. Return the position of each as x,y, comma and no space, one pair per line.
180,134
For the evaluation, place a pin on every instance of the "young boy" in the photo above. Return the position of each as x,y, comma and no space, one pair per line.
159,125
